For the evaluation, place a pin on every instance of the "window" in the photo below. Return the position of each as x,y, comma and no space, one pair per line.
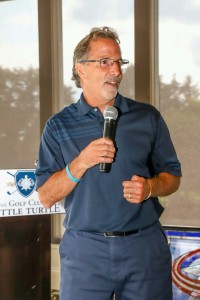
179,42
19,92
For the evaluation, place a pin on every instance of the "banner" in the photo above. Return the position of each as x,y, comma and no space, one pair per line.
18,196
185,251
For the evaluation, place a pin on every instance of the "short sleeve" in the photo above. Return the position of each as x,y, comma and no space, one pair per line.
50,158
164,157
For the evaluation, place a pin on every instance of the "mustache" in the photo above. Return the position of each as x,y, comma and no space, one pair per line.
114,79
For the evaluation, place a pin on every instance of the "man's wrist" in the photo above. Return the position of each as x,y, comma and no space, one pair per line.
150,189
74,179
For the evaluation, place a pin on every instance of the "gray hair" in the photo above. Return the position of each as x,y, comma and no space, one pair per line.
82,49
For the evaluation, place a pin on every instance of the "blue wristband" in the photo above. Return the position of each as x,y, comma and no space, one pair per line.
71,176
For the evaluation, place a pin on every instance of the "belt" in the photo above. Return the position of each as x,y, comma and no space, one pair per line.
119,233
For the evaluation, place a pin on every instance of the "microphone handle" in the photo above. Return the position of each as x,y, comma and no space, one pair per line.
109,132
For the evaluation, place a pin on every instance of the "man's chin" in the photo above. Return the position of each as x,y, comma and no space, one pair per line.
110,95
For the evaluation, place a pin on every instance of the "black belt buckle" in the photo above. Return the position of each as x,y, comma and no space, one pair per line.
119,233
114,234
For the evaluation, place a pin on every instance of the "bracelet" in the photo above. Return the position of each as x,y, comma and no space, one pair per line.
71,176
150,188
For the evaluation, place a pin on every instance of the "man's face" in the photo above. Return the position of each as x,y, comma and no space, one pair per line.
100,83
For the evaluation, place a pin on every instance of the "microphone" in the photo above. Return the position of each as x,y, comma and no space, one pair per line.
110,116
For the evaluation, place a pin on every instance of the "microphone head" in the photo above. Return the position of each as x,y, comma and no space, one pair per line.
110,113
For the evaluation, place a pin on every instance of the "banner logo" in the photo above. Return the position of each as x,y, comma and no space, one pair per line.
25,182
186,273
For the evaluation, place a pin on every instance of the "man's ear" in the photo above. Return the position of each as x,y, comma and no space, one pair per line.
80,70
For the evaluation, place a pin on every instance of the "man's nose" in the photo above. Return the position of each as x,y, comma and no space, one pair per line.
115,68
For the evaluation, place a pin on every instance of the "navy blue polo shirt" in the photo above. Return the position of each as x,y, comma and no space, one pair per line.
144,148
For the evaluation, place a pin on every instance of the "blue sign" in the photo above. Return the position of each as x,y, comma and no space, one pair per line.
25,182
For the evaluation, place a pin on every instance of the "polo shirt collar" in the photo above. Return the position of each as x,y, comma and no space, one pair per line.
83,107
120,102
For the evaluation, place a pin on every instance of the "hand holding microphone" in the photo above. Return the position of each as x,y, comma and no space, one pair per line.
93,154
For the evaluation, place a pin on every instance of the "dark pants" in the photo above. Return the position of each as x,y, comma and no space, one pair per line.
134,267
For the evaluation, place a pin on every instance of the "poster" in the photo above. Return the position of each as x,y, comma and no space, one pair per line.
185,250
18,196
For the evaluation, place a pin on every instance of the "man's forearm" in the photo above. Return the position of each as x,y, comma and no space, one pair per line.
59,185
55,188
164,184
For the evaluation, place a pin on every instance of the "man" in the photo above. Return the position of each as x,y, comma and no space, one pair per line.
114,243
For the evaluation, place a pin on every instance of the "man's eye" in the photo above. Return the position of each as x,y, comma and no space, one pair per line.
104,61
